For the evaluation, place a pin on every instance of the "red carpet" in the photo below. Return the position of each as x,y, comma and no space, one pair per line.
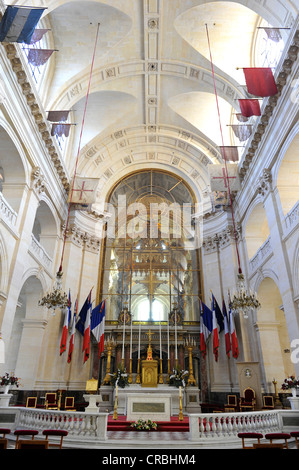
174,425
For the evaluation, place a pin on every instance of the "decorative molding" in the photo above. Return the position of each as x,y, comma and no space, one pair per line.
264,183
38,180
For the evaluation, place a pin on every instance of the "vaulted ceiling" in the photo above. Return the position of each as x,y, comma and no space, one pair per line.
152,100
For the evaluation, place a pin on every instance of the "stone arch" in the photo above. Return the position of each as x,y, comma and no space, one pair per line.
27,329
45,227
15,170
287,171
274,338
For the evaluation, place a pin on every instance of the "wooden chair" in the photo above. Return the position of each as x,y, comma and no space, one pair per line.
51,401
295,434
35,444
232,403
268,402
69,404
3,443
249,435
31,402
4,431
268,446
55,432
247,402
279,435
24,432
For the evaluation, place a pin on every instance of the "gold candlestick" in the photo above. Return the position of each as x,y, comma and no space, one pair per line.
138,381
277,401
130,372
181,416
107,379
161,373
191,380
115,404
168,370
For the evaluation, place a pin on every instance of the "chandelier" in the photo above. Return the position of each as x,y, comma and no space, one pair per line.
57,298
244,301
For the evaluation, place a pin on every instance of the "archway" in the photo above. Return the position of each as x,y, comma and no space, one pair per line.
275,344
288,177
257,229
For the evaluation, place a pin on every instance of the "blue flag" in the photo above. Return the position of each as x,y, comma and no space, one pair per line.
18,23
80,325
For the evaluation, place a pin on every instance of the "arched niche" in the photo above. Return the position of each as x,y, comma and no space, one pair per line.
12,171
25,341
256,230
45,228
275,343
288,177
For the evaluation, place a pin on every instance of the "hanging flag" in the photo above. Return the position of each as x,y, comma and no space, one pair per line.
67,318
241,118
273,33
215,332
229,153
86,336
242,131
225,177
250,107
38,35
72,337
98,325
233,336
260,81
61,129
82,316
18,23
58,116
226,330
206,326
83,190
219,315
38,57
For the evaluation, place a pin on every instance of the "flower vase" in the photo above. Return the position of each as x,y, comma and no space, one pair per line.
6,389
293,390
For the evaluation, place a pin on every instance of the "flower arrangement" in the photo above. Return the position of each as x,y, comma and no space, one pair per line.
7,379
177,378
120,378
290,382
142,425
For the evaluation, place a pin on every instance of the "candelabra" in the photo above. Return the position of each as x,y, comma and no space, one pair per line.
110,345
138,379
189,343
57,298
161,373
244,301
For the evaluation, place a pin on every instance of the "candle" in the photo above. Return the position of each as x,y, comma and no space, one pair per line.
160,339
139,340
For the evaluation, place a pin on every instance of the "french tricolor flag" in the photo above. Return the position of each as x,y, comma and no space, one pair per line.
72,338
226,330
206,326
215,330
233,336
98,325
67,317
86,337
18,23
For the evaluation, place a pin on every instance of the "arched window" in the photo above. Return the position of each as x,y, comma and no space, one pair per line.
147,266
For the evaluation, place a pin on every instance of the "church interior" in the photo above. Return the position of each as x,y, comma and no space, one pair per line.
149,221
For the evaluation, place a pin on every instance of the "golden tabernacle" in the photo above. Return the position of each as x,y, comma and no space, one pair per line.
92,386
149,367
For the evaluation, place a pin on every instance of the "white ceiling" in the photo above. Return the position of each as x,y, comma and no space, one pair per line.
152,100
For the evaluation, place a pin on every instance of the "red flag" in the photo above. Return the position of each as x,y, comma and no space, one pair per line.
38,57
260,81
226,330
215,331
72,338
86,338
233,336
250,107
229,153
